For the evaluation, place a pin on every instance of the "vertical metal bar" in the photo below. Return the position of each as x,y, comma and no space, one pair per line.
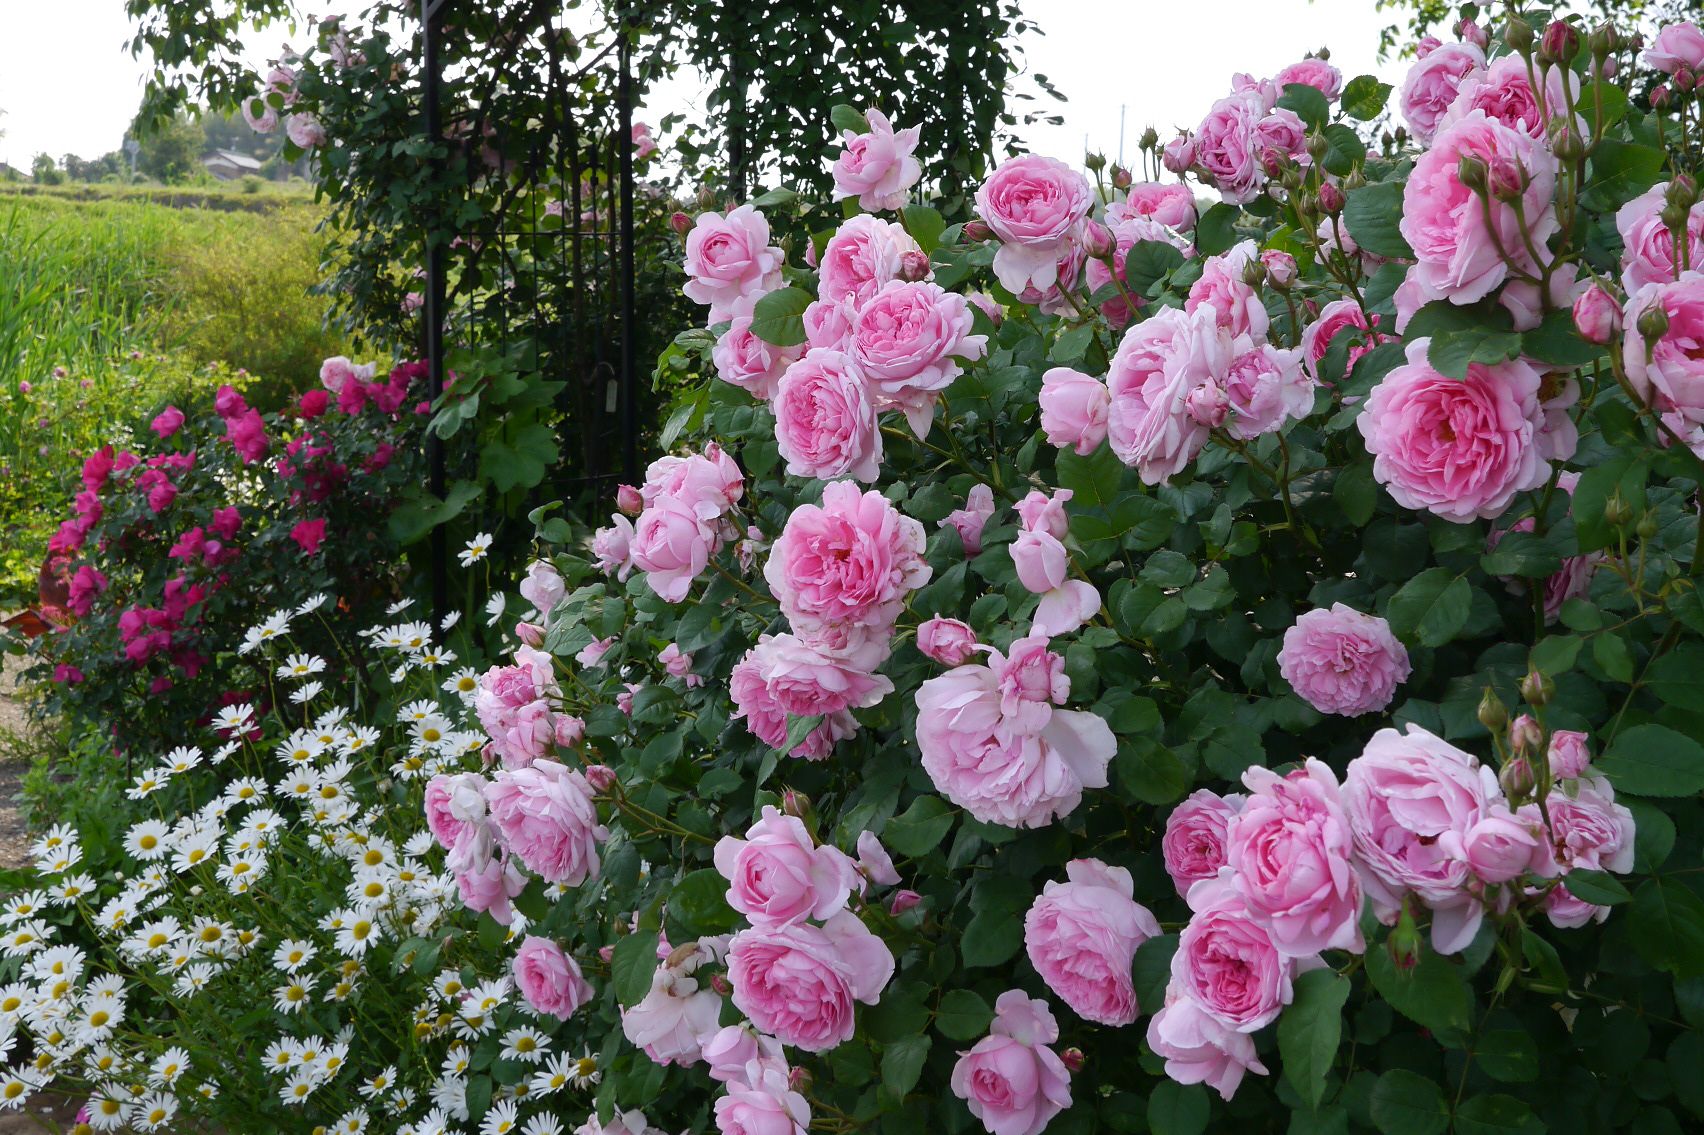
432,24
629,378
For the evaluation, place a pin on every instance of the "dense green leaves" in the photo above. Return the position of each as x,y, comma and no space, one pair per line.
1309,1030
1432,607
1406,1103
1372,214
1654,760
1432,992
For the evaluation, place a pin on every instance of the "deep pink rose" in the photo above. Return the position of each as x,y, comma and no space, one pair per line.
825,423
1316,73
1224,146
1227,962
1194,840
1648,252
1169,203
1198,1049
1081,936
877,167
545,816
167,422
947,641
1073,409
748,362
777,874
1412,798
1034,205
907,340
782,675
672,547
1266,387
1342,661
1158,363
549,979
1461,448
1676,47
1504,92
972,518
309,535
1432,84
1335,318
729,258
863,254
1010,1080
798,982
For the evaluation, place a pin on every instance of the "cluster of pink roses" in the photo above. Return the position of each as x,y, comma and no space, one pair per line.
279,94
1247,138
682,522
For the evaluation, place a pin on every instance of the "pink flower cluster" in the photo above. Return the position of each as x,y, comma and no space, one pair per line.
682,523
877,166
243,425
1247,138
516,708
1010,1079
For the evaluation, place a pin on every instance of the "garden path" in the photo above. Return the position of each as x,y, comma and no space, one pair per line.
14,840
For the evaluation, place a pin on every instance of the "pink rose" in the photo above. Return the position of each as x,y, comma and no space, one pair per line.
1169,203
167,422
972,518
1010,1080
1648,252
1569,754
804,680
672,547
1664,371
1224,146
1505,845
1073,409
1227,962
1127,233
877,167
1265,388
612,547
1316,73
1289,850
907,340
1412,798
545,816
1461,257
1236,306
1342,661
1194,841
863,254
1034,205
675,1017
1031,680
1597,317
305,131
830,324
1432,83
874,862
761,1102
798,982
1678,46
729,258
1158,362
308,534
745,361
593,654
455,807
1504,92
708,483
1082,935
947,641
678,664
1459,448
1281,139
1197,1049
760,706
1591,831
778,875
732,1047
1335,318
486,885
825,425
549,979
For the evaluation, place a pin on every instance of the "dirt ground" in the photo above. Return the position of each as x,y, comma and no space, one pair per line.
14,842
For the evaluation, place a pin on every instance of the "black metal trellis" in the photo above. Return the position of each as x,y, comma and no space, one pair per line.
564,292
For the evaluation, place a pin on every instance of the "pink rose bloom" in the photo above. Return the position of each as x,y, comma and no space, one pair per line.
708,483
1236,306
455,807
1031,680
1648,253
593,654
1592,832
757,705
1073,409
825,425
643,144
1010,1080
1158,363
761,1102
1432,84
1054,299
1342,661
86,585
1169,203
485,887
1459,258
1198,1049
729,258
549,979
1034,206
1194,840
1316,73
1504,92
1227,962
1127,233
1569,913
907,341
612,547
1412,798
678,664
1665,371
672,547
851,560
543,587
305,131
674,1019
732,1047
804,681
1266,387
263,123
1280,139
874,862
545,816
830,324
1178,156
745,361
1082,935
1459,448
877,167
947,641
1335,318
167,422
970,520
1597,317
778,875
1570,755
1289,851
978,759
1505,845
798,982
1676,47
862,255
1224,146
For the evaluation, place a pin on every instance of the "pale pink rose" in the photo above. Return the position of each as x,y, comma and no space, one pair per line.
1224,146
1194,841
511,706
1178,156
612,547
825,424
543,587
777,874
674,1019
643,144
1570,755
549,979
1034,205
745,361
908,340
1081,936
804,681
305,131
1169,203
1316,73
545,817
455,807
1676,47
970,520
485,886
851,560
1597,317
1045,512
1648,252
1335,318
672,547
1412,798
266,121
708,483
947,641
1665,371
1031,680
337,371
1040,560
761,1101
830,324
1505,845
1198,1049
874,862
759,705
1460,257
729,258
1265,388
1504,92
1460,448
730,1049
1157,364
1280,267
1127,233
593,654
798,982
1227,962
1288,849
1432,84
1281,139
1054,299
1569,913
1236,306
878,166
678,664
1591,831
1073,409
1010,1080
863,254
1342,661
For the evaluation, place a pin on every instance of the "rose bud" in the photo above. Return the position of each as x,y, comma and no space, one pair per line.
1653,322
800,1080
1280,268
1569,756
977,231
795,804
1597,317
1208,404
628,500
903,901
1471,172
1505,179
947,641
1073,1059
680,223
1538,689
1685,80
1526,737
1094,162
1682,191
530,633
1568,144
1602,41
1560,43
1098,240
1150,139
719,983
1660,97
1469,31
1424,46
1121,178
1517,33
1179,154
600,777
1517,780
914,266
1318,147
1493,714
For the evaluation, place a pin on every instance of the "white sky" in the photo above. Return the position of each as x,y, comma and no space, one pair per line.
68,85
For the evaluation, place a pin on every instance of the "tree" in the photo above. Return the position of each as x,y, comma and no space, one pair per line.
45,172
172,153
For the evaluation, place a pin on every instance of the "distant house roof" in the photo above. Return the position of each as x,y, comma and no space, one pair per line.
229,163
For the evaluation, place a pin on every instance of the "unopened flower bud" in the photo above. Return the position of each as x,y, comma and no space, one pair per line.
600,777
1682,191
977,231
606,953
1660,97
903,901
1647,526
1685,81
706,199
1280,268
629,500
1094,162
1567,144
1404,941
1330,199
1471,172
680,223
1516,780
1073,1059
1560,43
795,803
1469,31
1597,317
1517,33
1098,240
1121,177
1653,322
800,1079
1254,273
1526,737
1208,404
1318,147
1538,689
1506,179
1673,216
1493,714
1150,139
530,633
1179,154
1602,41
720,985
914,266
1615,510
